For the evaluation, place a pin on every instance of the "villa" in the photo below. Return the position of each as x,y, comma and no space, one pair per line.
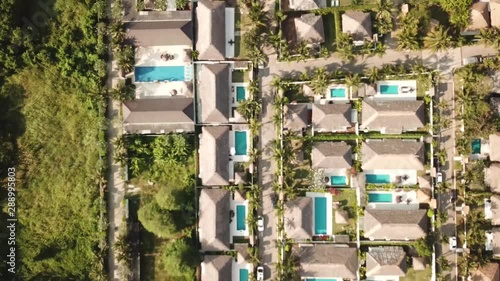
296,116
398,226
158,116
358,24
298,216
213,91
306,5
492,177
479,18
159,33
327,261
492,209
487,272
494,145
334,159
214,150
216,268
309,28
385,263
222,216
331,117
392,117
392,161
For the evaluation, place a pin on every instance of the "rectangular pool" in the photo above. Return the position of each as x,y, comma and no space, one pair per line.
159,73
241,218
476,146
240,142
389,89
240,93
378,179
338,180
380,197
320,215
337,93
243,274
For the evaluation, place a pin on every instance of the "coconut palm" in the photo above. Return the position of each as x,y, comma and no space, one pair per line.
438,39
117,33
352,80
303,50
320,80
257,56
324,52
373,74
383,16
125,58
257,14
345,46
408,39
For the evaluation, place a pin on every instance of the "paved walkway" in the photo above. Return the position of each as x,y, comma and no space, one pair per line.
116,185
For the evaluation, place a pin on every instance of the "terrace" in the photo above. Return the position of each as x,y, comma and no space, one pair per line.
396,90
393,200
238,216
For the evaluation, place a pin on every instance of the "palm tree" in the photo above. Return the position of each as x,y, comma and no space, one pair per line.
408,39
256,14
303,50
345,46
117,33
438,39
379,49
320,80
384,16
324,52
352,80
125,59
374,74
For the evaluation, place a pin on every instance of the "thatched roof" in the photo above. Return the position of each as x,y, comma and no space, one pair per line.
393,116
216,268
298,218
309,28
213,220
296,116
331,155
331,117
400,225
385,261
211,37
213,91
392,154
322,260
214,152
358,24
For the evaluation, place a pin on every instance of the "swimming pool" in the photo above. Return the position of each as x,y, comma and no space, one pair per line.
389,89
243,274
378,179
321,279
338,180
476,146
380,197
337,93
320,215
241,218
240,141
240,93
159,73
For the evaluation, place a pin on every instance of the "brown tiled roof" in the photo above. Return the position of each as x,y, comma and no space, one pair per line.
400,225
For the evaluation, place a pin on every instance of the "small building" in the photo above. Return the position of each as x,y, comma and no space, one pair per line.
488,272
296,116
158,116
298,218
391,225
479,18
211,35
306,5
392,117
309,28
213,91
214,153
331,117
385,263
358,24
213,222
332,261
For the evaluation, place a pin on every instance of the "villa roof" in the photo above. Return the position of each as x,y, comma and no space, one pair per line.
495,13
392,154
385,261
211,37
242,250
479,16
331,155
488,272
159,33
358,24
298,218
331,117
306,5
296,116
213,89
492,177
213,221
418,263
167,114
394,116
214,152
217,268
495,209
495,147
309,28
400,225
321,260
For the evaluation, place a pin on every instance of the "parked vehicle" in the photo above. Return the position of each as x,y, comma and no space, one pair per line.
260,223
439,178
260,273
473,59
453,243
453,195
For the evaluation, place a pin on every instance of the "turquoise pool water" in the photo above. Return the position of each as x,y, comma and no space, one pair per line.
319,215
338,180
389,89
337,93
240,93
321,279
159,73
241,217
476,146
240,141
378,179
380,197
243,274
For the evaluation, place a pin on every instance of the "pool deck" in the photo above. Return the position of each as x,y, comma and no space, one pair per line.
341,172
394,174
232,146
151,56
232,226
403,205
329,210
234,102
163,89
409,95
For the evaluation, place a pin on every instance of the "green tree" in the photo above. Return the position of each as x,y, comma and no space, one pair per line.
181,259
373,74
383,16
320,80
490,36
173,198
157,220
123,92
422,247
181,4
438,39
125,59
345,46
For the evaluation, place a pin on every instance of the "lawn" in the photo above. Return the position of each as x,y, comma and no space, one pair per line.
240,76
347,202
413,275
329,26
240,48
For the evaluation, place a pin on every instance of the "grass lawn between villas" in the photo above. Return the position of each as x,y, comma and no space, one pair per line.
329,27
413,275
240,76
347,202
